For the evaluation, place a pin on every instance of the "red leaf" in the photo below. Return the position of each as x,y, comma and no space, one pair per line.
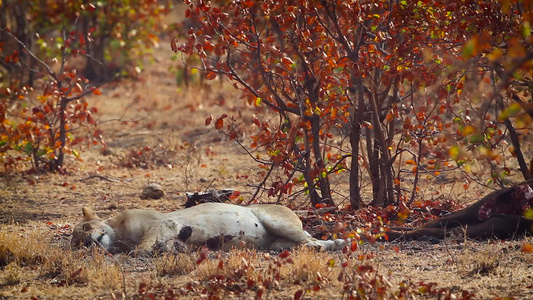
174,45
353,246
203,255
211,75
285,254
208,120
219,123
289,260
287,61
298,295
250,283
235,195
76,273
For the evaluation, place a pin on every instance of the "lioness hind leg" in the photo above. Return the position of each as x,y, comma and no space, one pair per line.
283,223
281,243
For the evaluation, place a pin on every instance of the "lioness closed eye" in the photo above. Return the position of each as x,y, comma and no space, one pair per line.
216,225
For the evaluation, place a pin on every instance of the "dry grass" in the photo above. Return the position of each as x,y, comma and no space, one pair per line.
31,259
39,263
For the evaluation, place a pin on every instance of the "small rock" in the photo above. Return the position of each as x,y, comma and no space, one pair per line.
152,191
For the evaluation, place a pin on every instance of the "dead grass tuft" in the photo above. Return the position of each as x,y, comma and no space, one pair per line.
174,264
12,274
309,266
482,263
148,158
24,248
33,251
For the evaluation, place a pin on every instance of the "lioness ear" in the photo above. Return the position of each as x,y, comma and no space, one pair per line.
88,214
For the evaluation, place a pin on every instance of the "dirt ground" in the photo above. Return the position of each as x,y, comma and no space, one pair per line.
155,133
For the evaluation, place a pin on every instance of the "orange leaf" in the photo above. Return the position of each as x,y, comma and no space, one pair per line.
219,123
97,92
235,195
528,248
353,246
211,75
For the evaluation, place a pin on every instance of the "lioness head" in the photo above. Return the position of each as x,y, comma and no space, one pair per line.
91,231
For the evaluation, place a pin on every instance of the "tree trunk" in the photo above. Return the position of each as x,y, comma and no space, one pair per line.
95,70
355,135
323,180
57,164
386,193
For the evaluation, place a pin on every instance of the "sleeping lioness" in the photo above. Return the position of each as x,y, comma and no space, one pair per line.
215,225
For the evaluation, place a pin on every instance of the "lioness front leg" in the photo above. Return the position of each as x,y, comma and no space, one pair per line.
156,232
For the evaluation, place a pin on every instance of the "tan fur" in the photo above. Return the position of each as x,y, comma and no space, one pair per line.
217,225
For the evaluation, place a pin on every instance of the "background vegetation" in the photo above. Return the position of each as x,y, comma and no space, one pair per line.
52,55
383,90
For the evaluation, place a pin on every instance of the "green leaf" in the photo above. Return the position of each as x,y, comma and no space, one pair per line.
528,214
41,152
468,49
28,148
477,138
509,111
526,29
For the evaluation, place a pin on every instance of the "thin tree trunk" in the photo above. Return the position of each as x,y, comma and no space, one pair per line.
355,135
386,193
323,180
58,164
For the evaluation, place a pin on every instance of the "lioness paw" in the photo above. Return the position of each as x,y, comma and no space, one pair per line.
330,245
141,253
